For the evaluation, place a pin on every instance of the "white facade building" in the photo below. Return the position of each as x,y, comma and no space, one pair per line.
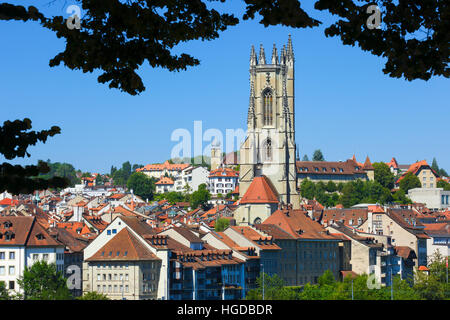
23,241
223,181
191,177
433,198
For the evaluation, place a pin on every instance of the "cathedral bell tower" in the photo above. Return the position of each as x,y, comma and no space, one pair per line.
269,149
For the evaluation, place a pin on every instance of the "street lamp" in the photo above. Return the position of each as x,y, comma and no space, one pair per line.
262,266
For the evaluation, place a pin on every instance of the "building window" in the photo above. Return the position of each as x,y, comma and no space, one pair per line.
45,257
35,256
2,270
2,256
99,277
12,255
12,270
267,150
11,285
267,107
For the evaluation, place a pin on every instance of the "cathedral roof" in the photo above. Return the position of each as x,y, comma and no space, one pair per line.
260,191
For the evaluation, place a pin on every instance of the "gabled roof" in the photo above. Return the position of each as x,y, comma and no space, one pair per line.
223,173
164,181
27,232
261,241
367,164
164,166
298,224
393,163
415,169
260,191
124,246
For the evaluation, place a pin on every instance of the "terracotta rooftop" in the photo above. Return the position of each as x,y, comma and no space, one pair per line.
260,191
124,246
224,172
24,231
298,224
164,166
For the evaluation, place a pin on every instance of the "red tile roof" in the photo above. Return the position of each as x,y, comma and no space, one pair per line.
124,246
298,224
260,191
164,181
224,172
415,168
24,231
393,163
164,166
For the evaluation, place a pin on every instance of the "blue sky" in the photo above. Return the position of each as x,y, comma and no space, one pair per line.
345,105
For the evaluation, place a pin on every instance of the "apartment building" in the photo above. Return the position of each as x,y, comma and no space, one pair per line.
403,228
127,260
23,241
314,251
223,181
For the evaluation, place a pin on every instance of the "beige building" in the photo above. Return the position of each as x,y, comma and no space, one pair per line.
336,171
127,260
123,269
423,171
269,148
403,228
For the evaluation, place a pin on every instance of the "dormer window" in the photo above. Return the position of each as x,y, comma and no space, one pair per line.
316,169
341,170
333,169
40,236
125,253
324,169
7,224
9,235
110,253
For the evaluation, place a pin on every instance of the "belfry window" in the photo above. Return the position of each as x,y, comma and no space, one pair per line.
267,150
267,107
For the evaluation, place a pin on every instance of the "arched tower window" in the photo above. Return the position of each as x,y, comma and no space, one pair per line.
267,150
267,107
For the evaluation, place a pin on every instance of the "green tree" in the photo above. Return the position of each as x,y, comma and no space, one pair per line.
15,138
318,156
99,180
93,295
174,197
273,288
305,158
142,185
400,197
42,281
221,224
307,189
433,286
200,197
331,186
104,26
409,181
86,175
383,175
443,184
4,294
434,165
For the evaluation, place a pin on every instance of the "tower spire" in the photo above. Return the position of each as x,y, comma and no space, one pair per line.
274,55
290,49
253,59
262,55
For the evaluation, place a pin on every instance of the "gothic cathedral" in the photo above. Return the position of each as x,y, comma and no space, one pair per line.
269,149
